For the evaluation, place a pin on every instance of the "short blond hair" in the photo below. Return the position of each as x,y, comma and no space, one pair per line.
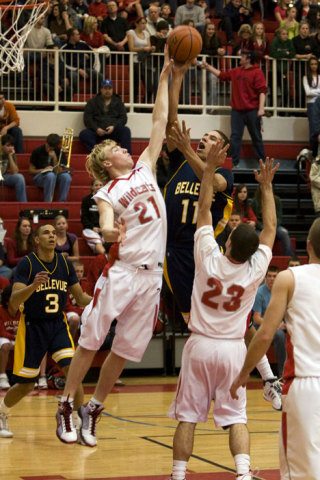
94,162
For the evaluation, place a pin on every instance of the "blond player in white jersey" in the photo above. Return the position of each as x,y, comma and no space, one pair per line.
223,294
295,297
132,212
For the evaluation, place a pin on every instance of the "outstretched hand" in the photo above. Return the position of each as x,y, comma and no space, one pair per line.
180,135
168,62
217,155
240,381
267,171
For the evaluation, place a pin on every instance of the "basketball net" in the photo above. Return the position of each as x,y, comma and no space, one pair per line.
16,21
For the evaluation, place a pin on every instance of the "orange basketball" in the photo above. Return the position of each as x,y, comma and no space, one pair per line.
185,43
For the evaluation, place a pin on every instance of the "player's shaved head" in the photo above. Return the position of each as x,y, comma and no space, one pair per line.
314,237
43,228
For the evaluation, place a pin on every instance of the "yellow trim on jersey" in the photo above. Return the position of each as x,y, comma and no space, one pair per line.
30,268
55,267
61,354
226,215
68,330
19,353
65,261
166,274
170,180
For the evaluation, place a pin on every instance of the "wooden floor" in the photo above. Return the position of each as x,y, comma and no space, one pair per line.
134,439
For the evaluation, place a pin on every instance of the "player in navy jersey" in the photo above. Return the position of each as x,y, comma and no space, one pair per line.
40,287
181,197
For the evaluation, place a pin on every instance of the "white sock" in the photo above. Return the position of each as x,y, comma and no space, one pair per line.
67,398
3,407
263,367
179,469
93,402
242,463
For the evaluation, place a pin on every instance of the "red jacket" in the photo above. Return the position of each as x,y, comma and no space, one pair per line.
71,305
8,324
247,84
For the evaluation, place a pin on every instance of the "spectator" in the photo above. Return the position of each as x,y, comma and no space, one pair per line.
313,17
90,220
131,8
282,233
9,123
165,14
9,169
241,204
48,166
281,10
5,271
22,242
260,41
114,28
303,8
247,103
73,16
293,261
290,23
260,306
315,185
49,69
81,9
303,43
98,9
90,34
39,37
211,46
282,50
79,65
59,23
311,85
152,18
105,116
67,243
159,40
97,265
190,11
245,43
73,310
8,329
233,16
233,222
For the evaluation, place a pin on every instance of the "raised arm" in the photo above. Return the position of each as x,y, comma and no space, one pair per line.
269,217
159,117
216,157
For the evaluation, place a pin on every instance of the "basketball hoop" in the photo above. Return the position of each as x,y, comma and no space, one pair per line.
16,21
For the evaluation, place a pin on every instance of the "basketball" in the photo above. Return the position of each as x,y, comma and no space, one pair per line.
185,43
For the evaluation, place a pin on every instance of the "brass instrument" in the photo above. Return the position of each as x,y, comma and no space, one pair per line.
66,147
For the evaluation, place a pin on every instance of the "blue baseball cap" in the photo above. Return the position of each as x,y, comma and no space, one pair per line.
106,84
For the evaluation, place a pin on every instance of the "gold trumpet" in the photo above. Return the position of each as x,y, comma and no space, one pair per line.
66,147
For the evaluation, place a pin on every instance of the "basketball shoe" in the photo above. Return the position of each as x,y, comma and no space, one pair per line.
4,382
66,431
89,415
272,393
4,427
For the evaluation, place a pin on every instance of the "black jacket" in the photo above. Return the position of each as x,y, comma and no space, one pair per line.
89,212
96,115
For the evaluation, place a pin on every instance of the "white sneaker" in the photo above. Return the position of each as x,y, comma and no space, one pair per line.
4,427
42,383
4,383
272,392
65,431
89,417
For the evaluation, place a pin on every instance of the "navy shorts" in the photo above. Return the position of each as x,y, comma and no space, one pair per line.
34,340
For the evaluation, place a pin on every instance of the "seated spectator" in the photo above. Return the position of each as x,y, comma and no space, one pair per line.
311,85
22,242
67,243
315,185
81,9
290,23
73,16
90,34
98,9
79,65
39,37
303,8
105,116
280,11
9,169
282,233
5,271
241,204
59,23
130,9
233,222
294,261
260,41
114,29
8,329
233,16
48,167
9,123
244,43
190,11
260,306
90,220
73,310
166,14
152,18
49,79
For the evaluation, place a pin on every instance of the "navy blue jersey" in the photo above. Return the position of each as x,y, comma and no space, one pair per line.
181,196
49,300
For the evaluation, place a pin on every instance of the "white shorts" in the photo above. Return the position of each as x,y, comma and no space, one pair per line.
208,369
131,295
92,238
300,430
4,340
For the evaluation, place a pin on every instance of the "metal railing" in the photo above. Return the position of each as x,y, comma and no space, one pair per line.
56,79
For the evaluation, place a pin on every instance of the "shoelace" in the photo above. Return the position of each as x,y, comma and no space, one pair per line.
66,413
94,418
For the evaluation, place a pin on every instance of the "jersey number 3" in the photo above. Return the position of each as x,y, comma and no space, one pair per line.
235,291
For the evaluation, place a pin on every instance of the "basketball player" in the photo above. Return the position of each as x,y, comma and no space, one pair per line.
223,294
130,292
40,283
181,197
295,296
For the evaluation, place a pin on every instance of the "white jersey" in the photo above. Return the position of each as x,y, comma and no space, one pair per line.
136,199
303,323
223,292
